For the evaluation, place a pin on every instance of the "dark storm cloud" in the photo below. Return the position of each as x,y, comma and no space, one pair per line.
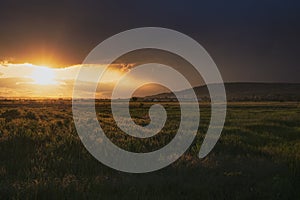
249,40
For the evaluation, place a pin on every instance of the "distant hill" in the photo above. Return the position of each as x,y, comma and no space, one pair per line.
243,92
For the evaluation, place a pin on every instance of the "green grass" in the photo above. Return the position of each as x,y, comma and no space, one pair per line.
257,156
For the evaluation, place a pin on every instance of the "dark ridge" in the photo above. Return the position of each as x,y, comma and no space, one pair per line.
242,92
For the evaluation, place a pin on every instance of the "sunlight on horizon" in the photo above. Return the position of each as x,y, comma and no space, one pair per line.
43,75
31,80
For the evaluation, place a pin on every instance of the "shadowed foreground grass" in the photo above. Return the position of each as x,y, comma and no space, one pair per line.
257,156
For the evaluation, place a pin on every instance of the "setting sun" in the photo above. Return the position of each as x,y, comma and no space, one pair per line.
43,76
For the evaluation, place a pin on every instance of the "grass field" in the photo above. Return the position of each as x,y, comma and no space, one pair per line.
257,156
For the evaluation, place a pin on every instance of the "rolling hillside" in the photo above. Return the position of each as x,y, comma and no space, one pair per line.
243,92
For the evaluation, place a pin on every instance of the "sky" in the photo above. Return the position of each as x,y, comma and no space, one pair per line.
250,41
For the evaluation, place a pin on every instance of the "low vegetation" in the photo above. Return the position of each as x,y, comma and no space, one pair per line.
257,156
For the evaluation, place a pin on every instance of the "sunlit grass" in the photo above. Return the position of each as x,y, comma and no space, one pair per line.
257,156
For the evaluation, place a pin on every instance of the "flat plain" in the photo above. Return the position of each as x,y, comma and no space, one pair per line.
257,156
